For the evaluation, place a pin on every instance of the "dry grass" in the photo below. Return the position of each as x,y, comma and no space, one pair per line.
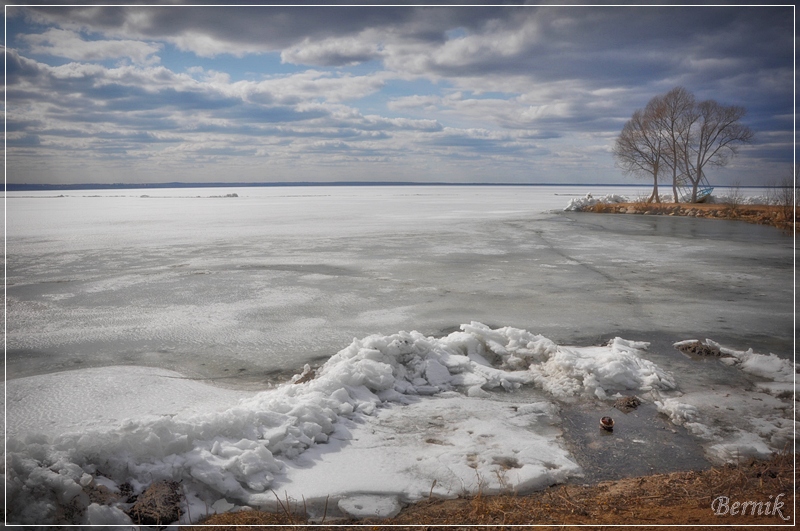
773,215
679,498
157,505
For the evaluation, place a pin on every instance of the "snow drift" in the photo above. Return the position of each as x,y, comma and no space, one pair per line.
239,455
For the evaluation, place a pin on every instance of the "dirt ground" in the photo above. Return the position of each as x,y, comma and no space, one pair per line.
681,498
780,216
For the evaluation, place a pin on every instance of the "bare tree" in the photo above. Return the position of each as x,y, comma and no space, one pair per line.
711,135
639,149
676,133
675,116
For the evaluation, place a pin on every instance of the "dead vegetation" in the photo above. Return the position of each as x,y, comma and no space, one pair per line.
699,349
626,404
679,498
773,215
158,505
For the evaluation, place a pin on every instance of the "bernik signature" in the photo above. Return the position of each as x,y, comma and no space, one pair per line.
721,505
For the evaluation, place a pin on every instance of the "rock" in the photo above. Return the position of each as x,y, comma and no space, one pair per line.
158,505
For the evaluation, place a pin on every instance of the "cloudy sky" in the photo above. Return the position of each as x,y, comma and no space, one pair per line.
517,94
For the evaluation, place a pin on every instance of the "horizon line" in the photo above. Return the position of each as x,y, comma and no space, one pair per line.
26,187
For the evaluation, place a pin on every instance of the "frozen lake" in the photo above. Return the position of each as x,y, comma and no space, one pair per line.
250,288
124,305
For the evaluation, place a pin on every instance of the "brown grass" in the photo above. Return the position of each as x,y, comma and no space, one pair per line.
679,498
773,215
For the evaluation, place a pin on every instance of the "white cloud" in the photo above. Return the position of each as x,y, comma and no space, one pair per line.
421,102
69,44
205,45
495,43
512,112
539,112
317,85
339,51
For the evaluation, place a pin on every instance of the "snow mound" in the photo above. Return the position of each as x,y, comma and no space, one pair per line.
581,203
768,366
599,370
588,200
723,199
242,453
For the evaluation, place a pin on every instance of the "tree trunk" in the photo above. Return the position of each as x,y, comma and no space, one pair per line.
654,196
675,179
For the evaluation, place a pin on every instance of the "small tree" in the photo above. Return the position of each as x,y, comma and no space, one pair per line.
711,135
639,149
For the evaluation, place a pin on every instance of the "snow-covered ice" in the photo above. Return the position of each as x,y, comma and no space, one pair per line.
57,403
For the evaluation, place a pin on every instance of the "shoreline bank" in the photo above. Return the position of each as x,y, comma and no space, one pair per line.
778,216
678,498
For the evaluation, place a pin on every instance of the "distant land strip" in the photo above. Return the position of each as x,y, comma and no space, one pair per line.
27,187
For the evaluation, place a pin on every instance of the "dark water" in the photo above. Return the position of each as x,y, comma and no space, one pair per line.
643,442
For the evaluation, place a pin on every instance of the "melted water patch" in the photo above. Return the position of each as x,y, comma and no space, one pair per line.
643,442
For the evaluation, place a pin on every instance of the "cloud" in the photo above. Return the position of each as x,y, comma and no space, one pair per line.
518,112
209,31
332,52
132,109
477,87
315,85
68,44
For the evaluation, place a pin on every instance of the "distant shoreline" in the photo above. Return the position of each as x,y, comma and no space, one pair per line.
25,187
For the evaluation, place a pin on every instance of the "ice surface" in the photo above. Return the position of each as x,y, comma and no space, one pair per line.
53,404
250,288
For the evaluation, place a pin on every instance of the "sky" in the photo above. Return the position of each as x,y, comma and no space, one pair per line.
494,94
